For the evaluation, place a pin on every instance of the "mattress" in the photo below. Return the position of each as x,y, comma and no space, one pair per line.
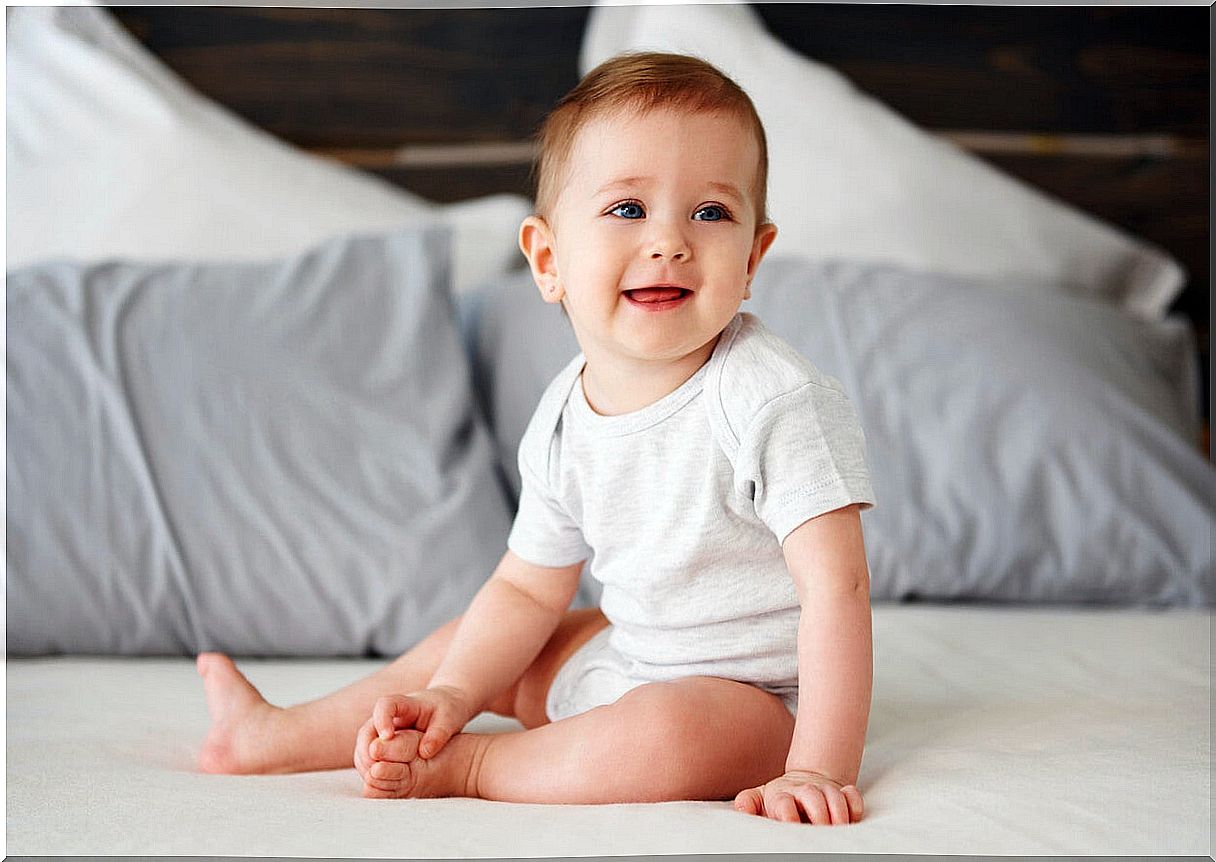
992,731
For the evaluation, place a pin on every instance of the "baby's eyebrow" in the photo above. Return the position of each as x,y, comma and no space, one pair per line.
726,189
623,182
629,182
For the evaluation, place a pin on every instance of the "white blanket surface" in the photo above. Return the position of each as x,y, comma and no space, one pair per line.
993,731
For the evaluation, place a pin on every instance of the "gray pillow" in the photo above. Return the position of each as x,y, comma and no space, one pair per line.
267,459
1023,445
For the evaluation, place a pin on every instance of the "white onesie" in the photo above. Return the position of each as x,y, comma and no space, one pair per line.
682,507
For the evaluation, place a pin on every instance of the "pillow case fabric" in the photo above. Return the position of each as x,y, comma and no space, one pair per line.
1023,445
110,154
266,459
851,179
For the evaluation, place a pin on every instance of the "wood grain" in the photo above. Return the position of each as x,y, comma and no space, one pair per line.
1072,69
359,77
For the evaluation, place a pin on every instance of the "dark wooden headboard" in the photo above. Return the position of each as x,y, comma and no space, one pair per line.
1105,107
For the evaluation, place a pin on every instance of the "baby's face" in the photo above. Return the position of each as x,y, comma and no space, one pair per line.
654,232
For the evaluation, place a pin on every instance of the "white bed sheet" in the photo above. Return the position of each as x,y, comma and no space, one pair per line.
993,731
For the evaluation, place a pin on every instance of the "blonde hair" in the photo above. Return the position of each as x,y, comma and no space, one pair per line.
641,82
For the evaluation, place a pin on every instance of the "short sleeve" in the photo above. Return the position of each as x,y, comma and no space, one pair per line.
803,454
543,533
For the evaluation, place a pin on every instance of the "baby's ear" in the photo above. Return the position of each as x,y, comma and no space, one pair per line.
765,234
536,242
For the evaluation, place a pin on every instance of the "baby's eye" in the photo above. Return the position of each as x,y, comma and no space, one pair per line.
629,209
713,212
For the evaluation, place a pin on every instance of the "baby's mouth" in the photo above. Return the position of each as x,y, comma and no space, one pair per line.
656,294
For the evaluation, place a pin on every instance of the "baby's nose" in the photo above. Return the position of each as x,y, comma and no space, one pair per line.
669,243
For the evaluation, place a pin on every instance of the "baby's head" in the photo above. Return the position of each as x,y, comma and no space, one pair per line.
650,208
638,83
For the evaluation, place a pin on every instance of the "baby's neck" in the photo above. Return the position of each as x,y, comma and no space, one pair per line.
615,388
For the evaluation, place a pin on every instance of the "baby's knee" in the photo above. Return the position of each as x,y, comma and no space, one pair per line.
660,716
668,736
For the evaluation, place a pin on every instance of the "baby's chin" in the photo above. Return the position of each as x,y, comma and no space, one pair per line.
671,348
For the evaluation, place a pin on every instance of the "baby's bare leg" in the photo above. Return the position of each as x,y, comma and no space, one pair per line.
698,738
249,735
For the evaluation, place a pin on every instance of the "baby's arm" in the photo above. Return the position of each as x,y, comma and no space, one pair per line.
505,627
826,557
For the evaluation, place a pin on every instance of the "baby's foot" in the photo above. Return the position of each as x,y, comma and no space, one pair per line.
241,738
398,772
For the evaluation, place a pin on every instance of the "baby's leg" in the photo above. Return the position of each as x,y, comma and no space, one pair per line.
249,735
697,738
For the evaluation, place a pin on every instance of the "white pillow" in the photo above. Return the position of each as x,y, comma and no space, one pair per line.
109,154
849,178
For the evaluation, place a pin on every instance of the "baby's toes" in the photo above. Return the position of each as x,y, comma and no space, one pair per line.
388,772
386,779
372,792
402,748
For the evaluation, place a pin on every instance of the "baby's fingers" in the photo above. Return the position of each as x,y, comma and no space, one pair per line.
811,801
780,805
856,806
433,741
837,805
394,711
402,748
750,801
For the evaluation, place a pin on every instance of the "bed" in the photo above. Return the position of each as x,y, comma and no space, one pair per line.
270,353
993,732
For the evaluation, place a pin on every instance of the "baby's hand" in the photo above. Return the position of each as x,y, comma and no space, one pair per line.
800,795
441,712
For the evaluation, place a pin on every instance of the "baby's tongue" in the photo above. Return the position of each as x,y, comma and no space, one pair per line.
655,294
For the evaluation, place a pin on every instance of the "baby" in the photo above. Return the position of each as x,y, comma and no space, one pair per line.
712,475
